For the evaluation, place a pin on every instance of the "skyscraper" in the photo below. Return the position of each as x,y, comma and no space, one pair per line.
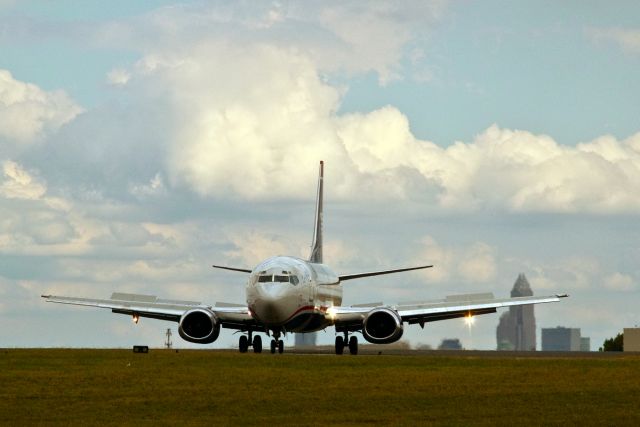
517,327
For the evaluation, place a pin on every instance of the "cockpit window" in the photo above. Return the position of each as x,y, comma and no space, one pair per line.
279,278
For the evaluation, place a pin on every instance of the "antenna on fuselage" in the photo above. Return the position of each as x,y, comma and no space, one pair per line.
316,246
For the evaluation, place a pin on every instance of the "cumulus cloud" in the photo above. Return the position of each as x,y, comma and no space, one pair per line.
626,38
17,183
478,263
28,218
118,77
250,248
154,187
249,117
338,36
620,282
27,112
274,117
244,127
475,263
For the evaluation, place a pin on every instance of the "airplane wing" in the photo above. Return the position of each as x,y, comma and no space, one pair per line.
232,316
344,277
453,306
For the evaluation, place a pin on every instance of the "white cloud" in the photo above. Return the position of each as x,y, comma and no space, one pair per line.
627,38
620,282
440,257
154,187
118,77
28,112
17,183
573,274
274,117
373,35
337,36
475,263
478,263
249,117
252,247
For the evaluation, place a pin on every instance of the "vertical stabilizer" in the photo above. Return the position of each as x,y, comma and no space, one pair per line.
316,246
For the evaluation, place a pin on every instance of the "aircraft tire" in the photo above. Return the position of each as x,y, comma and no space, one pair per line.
339,345
243,344
273,346
280,346
353,345
257,344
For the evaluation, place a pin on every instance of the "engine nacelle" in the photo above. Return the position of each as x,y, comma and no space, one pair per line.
199,325
382,326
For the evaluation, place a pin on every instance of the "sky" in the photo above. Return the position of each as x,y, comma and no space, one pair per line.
141,142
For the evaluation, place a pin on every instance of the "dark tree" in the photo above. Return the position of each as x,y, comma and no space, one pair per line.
613,344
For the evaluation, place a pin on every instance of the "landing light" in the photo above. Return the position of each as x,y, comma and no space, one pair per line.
469,319
331,312
136,319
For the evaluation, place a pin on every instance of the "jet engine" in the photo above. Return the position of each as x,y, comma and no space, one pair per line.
382,326
199,325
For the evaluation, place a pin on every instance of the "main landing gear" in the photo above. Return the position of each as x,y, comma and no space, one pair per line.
249,340
352,343
245,341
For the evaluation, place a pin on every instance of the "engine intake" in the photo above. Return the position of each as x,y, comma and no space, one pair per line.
199,325
382,326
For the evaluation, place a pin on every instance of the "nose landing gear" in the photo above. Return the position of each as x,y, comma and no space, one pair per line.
277,343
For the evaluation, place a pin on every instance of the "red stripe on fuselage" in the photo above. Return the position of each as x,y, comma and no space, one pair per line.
298,311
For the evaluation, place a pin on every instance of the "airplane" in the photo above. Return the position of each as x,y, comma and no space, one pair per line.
286,294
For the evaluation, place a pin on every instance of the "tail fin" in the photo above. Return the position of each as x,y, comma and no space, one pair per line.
316,246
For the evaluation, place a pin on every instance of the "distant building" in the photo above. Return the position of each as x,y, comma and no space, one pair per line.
631,339
585,344
305,340
561,339
450,344
517,327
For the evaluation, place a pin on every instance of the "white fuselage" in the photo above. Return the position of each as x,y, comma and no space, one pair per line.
293,294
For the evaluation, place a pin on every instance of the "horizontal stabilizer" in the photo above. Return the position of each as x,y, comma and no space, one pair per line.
241,270
378,273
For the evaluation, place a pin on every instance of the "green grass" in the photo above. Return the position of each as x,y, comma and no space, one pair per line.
116,387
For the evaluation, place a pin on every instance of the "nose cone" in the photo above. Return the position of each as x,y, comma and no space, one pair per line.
273,302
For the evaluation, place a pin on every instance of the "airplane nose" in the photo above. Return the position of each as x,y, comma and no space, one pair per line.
271,291
268,304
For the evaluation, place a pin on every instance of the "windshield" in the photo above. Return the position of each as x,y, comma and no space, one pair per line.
279,278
